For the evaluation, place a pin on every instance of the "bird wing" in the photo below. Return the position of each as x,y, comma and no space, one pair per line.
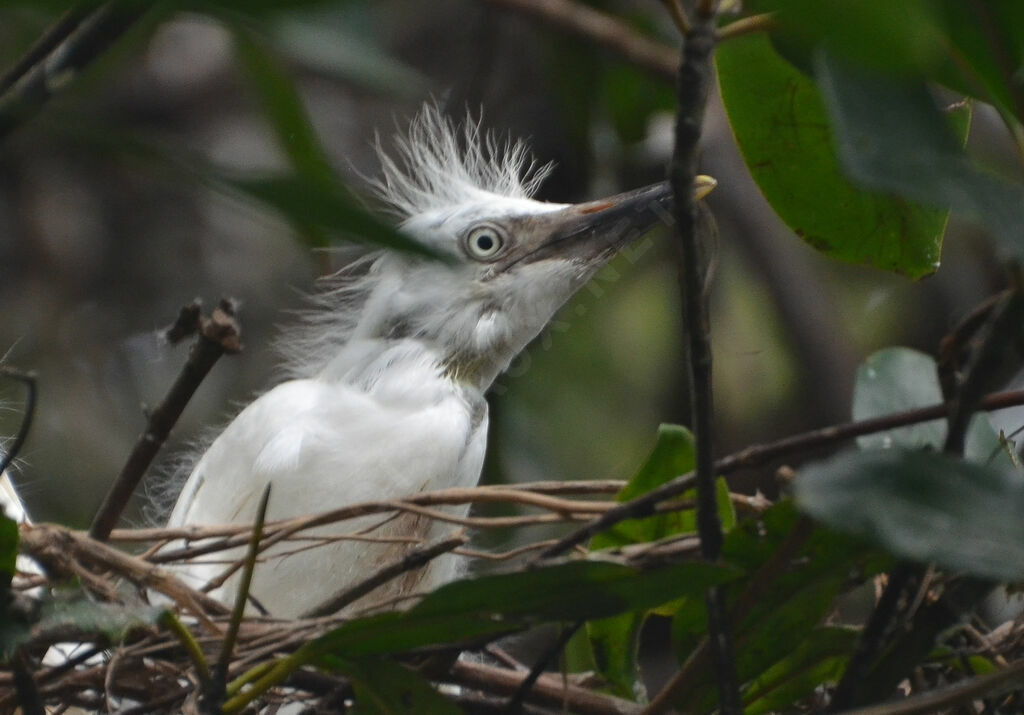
320,446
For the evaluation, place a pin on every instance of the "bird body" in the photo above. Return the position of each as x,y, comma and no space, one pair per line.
389,374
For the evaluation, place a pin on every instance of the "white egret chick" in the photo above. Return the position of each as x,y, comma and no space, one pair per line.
386,396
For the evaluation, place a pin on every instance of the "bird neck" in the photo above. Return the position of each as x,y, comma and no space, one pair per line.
403,369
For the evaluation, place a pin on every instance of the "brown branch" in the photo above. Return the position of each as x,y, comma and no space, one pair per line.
603,30
56,546
760,454
218,334
414,559
549,689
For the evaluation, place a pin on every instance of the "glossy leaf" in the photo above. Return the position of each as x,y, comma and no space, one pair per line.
895,380
672,456
910,150
926,507
503,603
8,551
784,134
898,379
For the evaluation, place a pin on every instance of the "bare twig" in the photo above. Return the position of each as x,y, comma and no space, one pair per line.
604,30
40,75
764,22
548,689
414,559
515,703
29,380
678,15
218,334
47,43
760,454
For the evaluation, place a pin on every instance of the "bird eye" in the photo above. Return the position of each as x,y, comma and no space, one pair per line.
484,243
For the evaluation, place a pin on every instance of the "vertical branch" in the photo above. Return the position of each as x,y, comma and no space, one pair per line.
692,86
218,334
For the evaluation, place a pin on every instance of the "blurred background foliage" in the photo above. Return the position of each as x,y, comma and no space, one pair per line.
132,192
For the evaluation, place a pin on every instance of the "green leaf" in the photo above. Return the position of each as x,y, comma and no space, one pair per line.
672,456
615,643
905,38
8,553
925,507
66,611
784,134
502,603
818,659
987,50
284,108
307,204
787,610
386,688
910,149
896,380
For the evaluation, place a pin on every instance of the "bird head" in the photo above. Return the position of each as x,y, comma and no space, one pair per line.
512,261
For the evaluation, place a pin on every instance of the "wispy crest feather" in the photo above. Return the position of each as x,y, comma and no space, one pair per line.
437,164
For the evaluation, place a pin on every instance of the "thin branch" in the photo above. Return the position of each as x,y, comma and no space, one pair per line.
548,689
40,75
29,380
692,227
47,43
603,30
414,559
678,15
218,334
29,700
515,703
764,22
760,454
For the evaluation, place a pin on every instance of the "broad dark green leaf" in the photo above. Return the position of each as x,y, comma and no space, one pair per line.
818,659
922,506
910,149
8,552
784,134
386,688
896,380
503,603
308,204
899,38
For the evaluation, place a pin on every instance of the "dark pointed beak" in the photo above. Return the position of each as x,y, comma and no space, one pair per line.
592,232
